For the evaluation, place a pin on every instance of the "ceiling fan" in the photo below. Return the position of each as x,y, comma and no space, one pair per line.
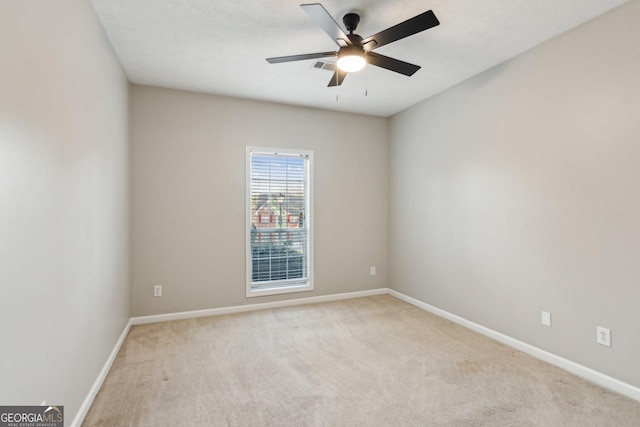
355,52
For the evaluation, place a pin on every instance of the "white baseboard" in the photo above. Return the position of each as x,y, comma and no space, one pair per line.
84,408
252,307
575,368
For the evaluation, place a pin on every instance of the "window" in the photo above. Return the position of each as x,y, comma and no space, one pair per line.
279,221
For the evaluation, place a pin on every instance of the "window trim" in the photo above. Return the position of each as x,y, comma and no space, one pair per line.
279,289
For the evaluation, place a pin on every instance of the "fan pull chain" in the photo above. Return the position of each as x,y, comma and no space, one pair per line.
366,80
337,86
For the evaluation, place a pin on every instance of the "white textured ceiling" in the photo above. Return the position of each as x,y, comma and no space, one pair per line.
220,47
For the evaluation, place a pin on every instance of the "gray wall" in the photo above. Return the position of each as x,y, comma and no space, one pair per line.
517,191
188,228
64,293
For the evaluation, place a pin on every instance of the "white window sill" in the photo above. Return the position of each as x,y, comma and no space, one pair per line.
277,290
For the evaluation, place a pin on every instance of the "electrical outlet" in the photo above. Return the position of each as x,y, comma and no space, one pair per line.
157,291
372,271
603,336
546,318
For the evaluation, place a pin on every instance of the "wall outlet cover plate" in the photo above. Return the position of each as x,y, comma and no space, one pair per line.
546,318
603,336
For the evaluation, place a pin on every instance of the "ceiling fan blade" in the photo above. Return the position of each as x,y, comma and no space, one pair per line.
392,64
320,16
338,78
422,22
291,58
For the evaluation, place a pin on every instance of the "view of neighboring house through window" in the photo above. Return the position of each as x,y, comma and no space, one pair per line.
279,255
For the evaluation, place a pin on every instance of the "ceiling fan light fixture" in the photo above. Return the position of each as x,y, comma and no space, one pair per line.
351,59
355,52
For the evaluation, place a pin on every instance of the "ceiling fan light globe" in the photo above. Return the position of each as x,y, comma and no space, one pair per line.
351,58
351,63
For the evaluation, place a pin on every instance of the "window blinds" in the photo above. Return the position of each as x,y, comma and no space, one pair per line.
279,192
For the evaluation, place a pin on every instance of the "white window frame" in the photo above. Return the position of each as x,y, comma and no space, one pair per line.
282,288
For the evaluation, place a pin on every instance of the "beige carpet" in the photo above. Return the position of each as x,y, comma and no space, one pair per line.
373,361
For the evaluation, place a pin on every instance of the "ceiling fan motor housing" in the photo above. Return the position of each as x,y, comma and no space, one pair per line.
354,38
